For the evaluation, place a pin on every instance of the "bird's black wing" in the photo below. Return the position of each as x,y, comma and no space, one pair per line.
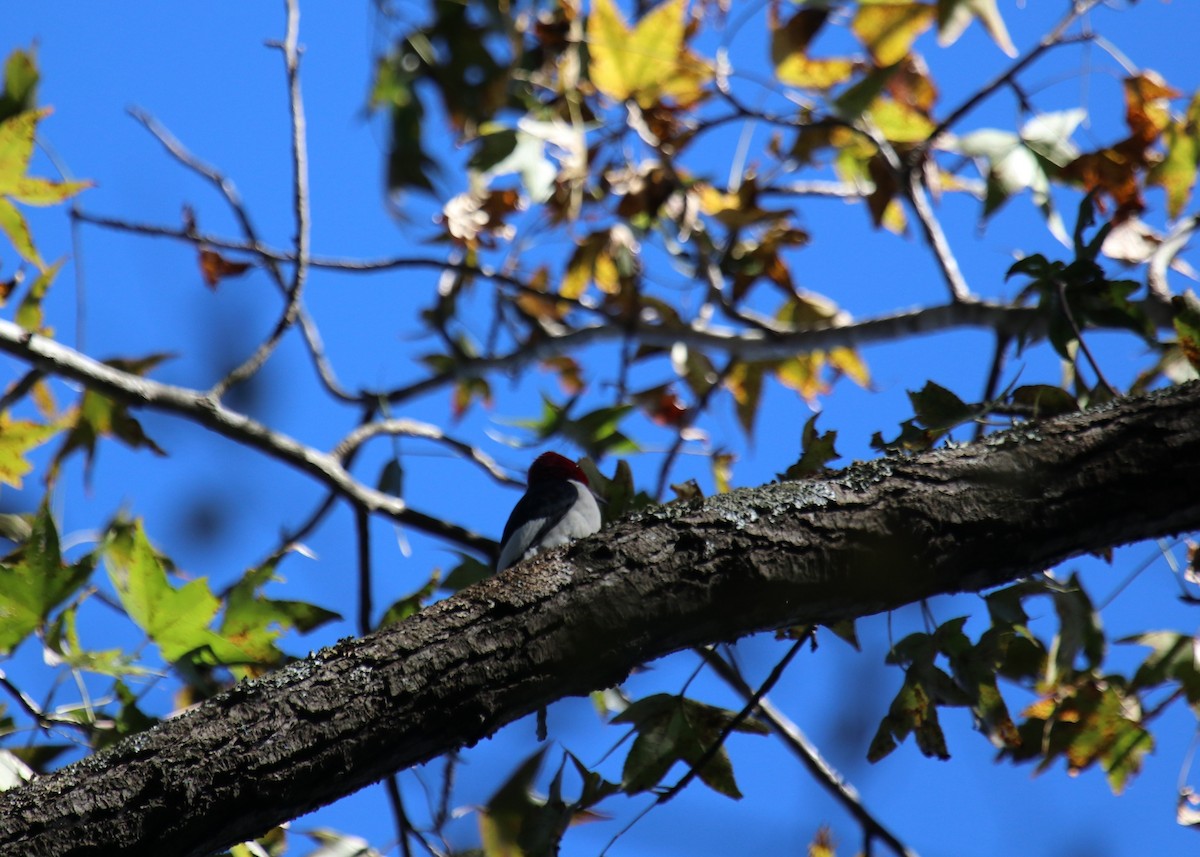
551,500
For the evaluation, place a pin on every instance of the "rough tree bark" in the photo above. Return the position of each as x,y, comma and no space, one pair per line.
870,538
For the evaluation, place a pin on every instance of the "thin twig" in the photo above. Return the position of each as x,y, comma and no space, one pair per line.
993,378
428,431
404,828
334,263
752,703
1083,346
809,756
689,419
252,242
31,708
1055,38
300,211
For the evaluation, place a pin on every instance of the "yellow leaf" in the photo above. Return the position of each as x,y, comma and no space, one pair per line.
608,279
722,471
954,16
899,122
888,31
789,52
802,373
1176,173
647,62
848,361
806,73
13,224
17,437
16,149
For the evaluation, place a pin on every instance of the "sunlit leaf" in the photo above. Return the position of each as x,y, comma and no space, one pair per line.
16,149
177,620
17,438
29,313
954,16
20,84
889,30
794,65
647,62
63,646
34,580
252,622
1176,173
722,471
99,416
745,382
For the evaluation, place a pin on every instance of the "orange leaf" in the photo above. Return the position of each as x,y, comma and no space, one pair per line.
214,267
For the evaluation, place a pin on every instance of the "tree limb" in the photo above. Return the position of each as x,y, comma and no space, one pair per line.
204,410
875,536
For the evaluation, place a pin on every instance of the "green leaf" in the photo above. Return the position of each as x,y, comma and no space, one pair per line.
1045,400
1080,632
252,622
510,822
939,409
816,451
676,729
176,620
34,580
391,478
1174,658
29,313
16,149
62,644
404,607
1186,318
99,416
20,84
467,572
912,711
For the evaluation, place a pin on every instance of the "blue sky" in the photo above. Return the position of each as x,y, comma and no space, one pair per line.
205,72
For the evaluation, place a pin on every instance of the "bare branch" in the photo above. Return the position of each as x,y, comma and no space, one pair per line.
300,211
428,431
203,410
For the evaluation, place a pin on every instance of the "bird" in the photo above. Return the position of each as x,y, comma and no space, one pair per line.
558,507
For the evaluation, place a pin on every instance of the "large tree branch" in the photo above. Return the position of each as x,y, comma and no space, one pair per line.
875,536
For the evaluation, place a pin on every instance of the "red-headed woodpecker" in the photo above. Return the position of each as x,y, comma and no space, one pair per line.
558,507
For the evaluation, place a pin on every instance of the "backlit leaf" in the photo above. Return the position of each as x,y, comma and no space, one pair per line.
889,30
646,62
34,580
18,437
954,16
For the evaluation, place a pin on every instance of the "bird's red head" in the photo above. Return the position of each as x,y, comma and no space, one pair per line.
551,465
